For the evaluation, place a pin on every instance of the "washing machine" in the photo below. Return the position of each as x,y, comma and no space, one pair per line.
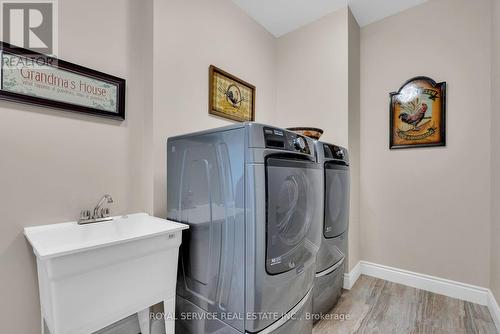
332,255
251,194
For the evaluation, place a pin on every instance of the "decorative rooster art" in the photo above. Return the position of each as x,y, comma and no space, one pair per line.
414,113
230,97
417,114
233,95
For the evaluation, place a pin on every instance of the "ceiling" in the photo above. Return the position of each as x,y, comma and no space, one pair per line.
282,16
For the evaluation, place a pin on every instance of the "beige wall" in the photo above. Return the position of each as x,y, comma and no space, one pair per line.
318,85
188,37
354,139
55,163
312,68
301,78
428,210
495,150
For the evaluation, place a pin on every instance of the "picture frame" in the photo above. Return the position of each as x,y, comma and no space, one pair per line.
33,78
417,114
229,96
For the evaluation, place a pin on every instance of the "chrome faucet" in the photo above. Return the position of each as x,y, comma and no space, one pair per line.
104,198
99,214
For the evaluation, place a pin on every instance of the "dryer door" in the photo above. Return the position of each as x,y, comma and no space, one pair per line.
336,199
290,198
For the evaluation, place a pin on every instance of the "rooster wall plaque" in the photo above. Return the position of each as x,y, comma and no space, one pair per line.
230,97
417,114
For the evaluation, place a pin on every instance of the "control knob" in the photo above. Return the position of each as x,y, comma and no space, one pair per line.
299,143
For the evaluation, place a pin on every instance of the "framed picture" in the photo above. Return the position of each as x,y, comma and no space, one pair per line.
230,97
417,114
34,78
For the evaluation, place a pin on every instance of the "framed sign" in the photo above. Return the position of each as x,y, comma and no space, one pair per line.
417,114
230,97
33,78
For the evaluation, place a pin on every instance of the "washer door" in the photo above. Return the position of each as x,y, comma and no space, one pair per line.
336,199
291,195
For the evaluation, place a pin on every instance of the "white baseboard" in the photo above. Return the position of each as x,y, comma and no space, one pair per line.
494,309
462,291
351,277
467,292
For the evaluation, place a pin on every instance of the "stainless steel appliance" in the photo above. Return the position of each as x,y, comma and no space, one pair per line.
251,195
333,251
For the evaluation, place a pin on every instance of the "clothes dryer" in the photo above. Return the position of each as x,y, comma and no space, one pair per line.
251,194
332,255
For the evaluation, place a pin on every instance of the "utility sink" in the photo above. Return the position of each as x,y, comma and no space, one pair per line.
91,276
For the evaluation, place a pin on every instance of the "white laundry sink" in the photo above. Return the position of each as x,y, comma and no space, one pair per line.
91,276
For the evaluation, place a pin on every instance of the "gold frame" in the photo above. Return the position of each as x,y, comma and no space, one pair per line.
221,113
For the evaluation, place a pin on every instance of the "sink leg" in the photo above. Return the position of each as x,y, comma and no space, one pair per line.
144,321
169,309
44,330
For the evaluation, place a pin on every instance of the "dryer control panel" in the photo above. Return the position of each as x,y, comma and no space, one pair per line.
286,140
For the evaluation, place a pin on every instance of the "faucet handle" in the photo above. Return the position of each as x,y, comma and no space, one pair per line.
84,215
104,213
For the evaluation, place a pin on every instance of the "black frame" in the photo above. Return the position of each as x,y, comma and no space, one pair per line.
67,66
442,87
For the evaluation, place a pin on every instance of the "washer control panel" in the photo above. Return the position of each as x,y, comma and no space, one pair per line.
335,152
286,140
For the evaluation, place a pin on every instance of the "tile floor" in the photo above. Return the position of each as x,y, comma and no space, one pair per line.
375,306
